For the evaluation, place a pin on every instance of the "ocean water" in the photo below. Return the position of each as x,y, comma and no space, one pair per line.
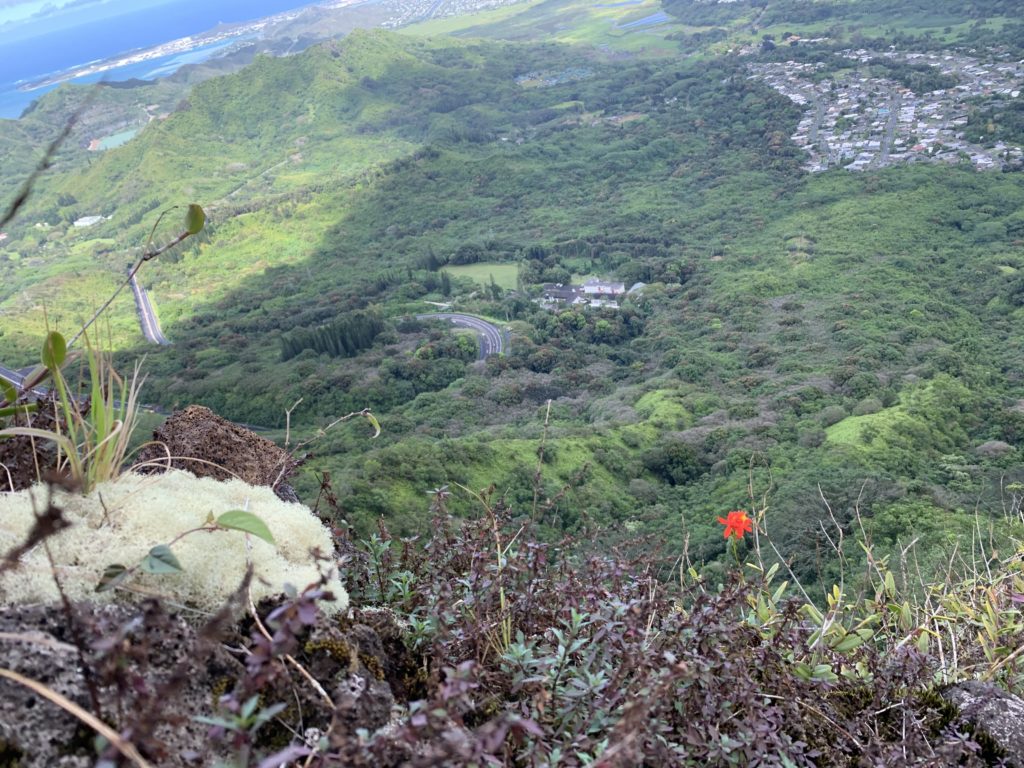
36,49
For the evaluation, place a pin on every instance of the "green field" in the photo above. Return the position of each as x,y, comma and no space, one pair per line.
505,275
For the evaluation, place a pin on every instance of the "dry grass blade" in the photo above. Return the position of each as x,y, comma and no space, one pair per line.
38,638
121,745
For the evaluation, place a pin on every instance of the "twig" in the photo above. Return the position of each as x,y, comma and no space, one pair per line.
123,746
76,632
538,473
138,265
1003,662
164,462
288,422
38,638
10,480
287,657
26,188
813,709
287,439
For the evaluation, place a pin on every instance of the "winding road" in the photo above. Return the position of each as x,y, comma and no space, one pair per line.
17,378
493,340
11,375
147,317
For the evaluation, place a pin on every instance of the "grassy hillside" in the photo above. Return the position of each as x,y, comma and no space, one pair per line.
837,343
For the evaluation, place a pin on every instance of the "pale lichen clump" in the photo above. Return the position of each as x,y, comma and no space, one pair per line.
119,521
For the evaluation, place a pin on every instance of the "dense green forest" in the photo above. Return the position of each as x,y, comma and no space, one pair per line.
833,343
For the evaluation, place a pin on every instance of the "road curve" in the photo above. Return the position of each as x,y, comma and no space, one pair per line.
492,339
17,378
11,375
147,317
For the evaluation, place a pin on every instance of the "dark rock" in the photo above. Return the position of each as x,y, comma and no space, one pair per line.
401,668
207,445
993,713
153,673
153,653
350,662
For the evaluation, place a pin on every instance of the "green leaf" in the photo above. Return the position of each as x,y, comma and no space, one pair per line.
812,613
249,707
8,390
922,643
848,643
195,219
890,584
11,410
373,422
112,576
906,617
55,349
226,724
824,672
240,520
802,670
780,592
161,560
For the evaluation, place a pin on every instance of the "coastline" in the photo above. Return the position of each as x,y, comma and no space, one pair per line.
219,34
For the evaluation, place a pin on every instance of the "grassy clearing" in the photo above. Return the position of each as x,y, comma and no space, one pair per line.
505,275
662,409
851,430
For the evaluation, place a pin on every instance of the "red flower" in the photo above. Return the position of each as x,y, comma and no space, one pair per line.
738,523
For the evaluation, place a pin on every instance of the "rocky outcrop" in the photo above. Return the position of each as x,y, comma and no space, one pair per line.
993,714
138,659
152,674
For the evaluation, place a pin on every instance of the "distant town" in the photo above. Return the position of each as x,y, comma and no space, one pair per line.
410,11
862,122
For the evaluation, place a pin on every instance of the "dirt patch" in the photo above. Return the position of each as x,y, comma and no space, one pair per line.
28,460
207,445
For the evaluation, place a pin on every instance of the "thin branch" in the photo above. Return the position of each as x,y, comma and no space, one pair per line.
287,657
814,710
44,164
144,258
38,638
538,473
123,746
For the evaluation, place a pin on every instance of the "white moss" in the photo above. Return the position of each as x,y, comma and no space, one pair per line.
121,520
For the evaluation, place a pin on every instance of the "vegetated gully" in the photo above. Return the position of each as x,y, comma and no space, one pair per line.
492,340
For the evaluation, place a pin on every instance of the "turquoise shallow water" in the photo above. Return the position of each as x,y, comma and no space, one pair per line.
117,139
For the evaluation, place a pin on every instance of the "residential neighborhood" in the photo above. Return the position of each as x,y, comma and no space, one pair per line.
859,122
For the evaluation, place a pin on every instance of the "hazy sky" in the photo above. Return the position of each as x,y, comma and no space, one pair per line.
15,10
28,18
19,10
